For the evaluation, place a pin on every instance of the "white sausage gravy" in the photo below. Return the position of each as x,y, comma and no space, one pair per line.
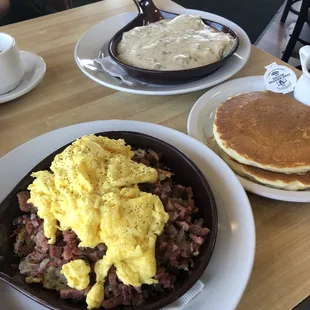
174,44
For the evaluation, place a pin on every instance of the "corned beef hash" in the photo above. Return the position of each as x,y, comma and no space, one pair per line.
107,225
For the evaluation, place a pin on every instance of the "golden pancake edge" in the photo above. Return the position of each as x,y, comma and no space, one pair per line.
292,182
266,130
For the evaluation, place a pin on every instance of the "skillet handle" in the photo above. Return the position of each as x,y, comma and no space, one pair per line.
149,10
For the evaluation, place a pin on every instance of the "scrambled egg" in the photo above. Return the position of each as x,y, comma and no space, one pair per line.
93,190
77,274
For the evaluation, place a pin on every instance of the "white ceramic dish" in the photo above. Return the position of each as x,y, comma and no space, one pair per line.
229,269
88,47
12,69
200,124
34,71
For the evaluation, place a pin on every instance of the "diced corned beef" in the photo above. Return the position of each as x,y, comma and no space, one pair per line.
102,247
183,225
165,279
32,226
36,222
114,292
126,293
188,219
173,261
182,214
41,242
69,236
177,191
160,270
165,192
174,253
186,249
25,249
162,244
169,206
166,188
181,237
67,253
25,218
157,189
171,231
150,158
177,206
36,256
197,239
112,302
76,251
55,251
188,207
29,227
112,277
56,262
188,193
22,201
198,230
186,254
72,294
173,215
164,198
93,256
174,247
70,250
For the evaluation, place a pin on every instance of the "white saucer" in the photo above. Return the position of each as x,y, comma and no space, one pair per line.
35,68
88,47
231,263
200,126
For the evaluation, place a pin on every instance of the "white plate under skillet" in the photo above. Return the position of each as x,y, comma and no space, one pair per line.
200,126
231,263
90,44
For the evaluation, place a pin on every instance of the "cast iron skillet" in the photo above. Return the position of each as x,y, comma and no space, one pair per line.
149,13
187,174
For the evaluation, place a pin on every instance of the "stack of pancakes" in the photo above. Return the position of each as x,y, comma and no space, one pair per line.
265,136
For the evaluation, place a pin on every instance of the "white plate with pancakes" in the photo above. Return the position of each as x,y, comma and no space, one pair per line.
251,126
231,263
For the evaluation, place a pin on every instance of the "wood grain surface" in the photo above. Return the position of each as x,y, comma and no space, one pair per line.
280,278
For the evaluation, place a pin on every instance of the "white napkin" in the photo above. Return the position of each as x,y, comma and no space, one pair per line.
187,297
111,67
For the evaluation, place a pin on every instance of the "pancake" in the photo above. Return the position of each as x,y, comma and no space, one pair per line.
266,130
293,182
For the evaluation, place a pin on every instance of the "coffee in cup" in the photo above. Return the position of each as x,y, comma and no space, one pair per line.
11,68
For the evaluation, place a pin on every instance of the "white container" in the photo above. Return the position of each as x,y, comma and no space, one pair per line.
11,68
302,88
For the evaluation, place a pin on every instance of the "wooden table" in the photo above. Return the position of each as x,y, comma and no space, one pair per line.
280,278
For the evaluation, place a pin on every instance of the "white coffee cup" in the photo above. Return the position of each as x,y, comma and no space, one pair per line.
11,68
